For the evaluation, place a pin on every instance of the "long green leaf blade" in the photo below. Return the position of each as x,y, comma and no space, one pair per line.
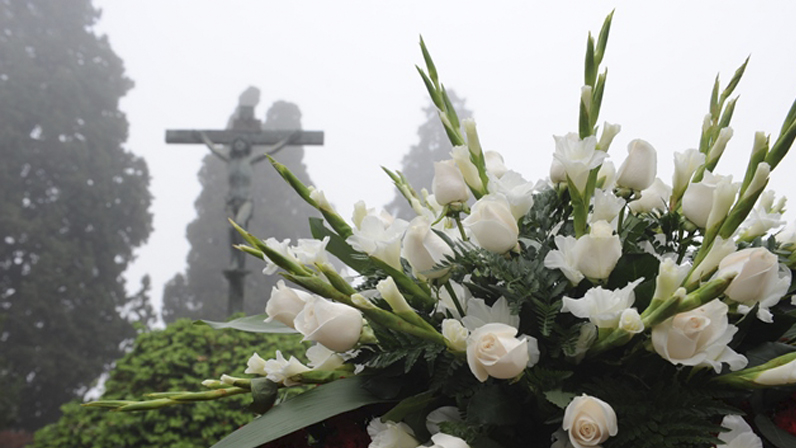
308,408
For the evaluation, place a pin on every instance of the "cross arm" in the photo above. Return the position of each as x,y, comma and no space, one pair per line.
271,137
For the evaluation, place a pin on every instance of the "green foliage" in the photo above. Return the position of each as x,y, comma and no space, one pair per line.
177,358
201,292
74,205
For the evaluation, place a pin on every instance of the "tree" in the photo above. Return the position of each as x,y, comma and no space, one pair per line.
176,358
201,292
417,165
74,206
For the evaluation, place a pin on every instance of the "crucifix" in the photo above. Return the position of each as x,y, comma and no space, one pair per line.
245,131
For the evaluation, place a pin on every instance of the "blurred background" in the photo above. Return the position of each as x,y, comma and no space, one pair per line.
107,231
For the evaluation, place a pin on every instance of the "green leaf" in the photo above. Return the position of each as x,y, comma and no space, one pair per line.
251,324
308,408
337,246
559,398
409,405
773,434
492,405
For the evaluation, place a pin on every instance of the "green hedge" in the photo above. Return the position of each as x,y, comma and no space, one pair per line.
177,358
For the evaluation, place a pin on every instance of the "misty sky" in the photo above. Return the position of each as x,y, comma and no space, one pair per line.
349,65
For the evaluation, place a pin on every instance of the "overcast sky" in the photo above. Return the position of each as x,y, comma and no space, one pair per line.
349,65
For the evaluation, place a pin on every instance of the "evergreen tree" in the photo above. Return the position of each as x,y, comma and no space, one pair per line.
201,292
418,164
74,205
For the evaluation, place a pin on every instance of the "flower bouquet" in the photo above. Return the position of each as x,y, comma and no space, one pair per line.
599,307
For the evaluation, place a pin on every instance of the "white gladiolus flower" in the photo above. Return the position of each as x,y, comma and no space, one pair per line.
446,302
493,350
285,303
280,370
455,333
391,435
442,440
564,258
284,249
558,172
670,277
311,251
380,238
441,415
609,132
494,164
764,217
517,191
589,421
606,176
255,365
725,134
698,338
321,358
787,236
603,307
655,198
759,281
461,155
320,199
390,293
480,314
492,225
740,434
473,143
606,206
723,198
685,164
334,325
630,321
424,249
449,185
639,168
597,252
578,157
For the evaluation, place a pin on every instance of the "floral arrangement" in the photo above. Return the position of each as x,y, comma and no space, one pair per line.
599,307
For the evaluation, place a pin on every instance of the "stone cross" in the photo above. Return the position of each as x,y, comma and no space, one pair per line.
245,131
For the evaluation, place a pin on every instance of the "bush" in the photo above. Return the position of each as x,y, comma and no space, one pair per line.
177,358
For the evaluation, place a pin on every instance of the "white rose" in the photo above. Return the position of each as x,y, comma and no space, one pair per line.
492,224
578,157
698,338
424,249
455,333
391,435
448,185
280,370
334,325
589,421
494,164
759,280
597,253
603,307
442,440
493,350
285,303
740,434
654,198
639,168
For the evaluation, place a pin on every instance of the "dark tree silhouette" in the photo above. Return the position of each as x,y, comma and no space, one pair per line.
417,165
74,204
201,292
